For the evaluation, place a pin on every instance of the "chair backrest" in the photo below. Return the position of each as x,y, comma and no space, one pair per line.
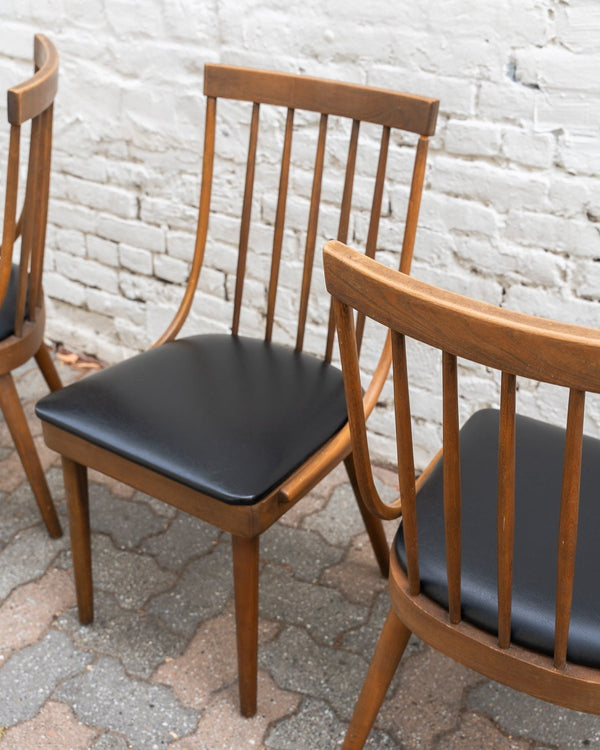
31,101
330,99
514,343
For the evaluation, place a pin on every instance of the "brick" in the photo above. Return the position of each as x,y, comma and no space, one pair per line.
181,245
101,250
557,68
580,154
101,197
88,271
131,232
71,241
171,269
490,185
472,138
531,149
135,259
68,215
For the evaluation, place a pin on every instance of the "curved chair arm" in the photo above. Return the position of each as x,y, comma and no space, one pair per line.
331,453
359,407
202,228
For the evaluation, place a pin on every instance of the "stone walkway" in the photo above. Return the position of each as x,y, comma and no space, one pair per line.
157,668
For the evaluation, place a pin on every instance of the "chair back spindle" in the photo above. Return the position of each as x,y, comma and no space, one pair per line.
406,466
245,223
311,232
452,488
505,522
567,533
279,221
345,207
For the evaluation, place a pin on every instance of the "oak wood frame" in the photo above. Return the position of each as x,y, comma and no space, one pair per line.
518,345
32,101
246,523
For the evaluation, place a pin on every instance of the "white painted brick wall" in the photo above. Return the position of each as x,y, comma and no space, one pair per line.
511,211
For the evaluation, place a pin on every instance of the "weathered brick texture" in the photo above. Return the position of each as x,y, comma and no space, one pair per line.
511,211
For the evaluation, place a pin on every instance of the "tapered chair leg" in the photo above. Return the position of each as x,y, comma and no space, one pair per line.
374,525
48,370
75,477
19,429
389,650
245,580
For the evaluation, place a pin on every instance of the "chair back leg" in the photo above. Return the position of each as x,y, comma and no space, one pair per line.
47,368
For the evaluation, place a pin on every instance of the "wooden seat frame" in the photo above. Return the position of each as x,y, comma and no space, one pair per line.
518,345
32,101
247,522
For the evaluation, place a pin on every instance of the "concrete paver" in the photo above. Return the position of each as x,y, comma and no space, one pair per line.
321,610
139,639
201,592
149,716
31,675
185,538
132,578
536,719
28,611
127,523
55,727
157,668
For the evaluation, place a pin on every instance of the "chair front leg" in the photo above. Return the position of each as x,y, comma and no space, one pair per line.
388,652
373,525
245,581
19,429
76,488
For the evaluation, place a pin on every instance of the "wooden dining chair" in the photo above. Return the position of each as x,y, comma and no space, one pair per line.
22,316
230,428
490,564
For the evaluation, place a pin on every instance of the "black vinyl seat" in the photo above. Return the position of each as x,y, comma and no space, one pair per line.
539,465
184,411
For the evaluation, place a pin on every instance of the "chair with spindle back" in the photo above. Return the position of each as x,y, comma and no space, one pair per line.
234,429
22,316
483,565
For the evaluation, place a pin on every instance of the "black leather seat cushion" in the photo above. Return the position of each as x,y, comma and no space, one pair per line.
539,464
229,416
9,305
